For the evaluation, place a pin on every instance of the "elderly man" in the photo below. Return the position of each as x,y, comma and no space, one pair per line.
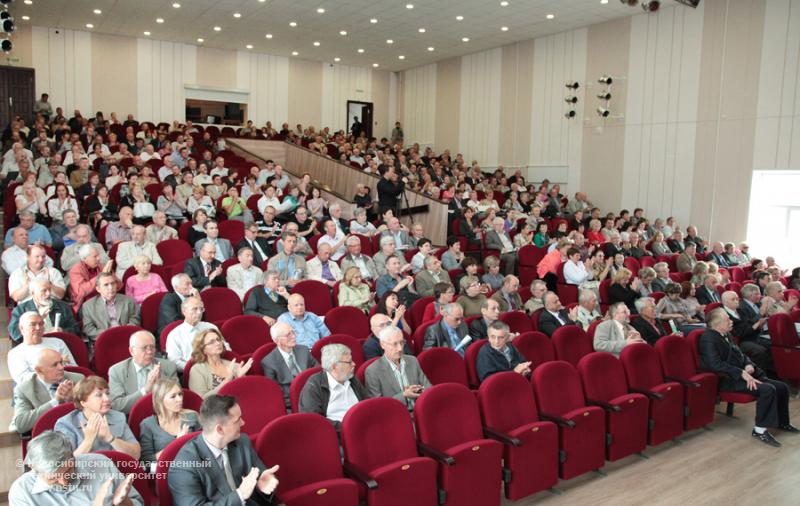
450,331
109,309
307,326
120,231
322,268
35,267
334,390
354,258
83,235
662,277
686,260
500,355
83,275
205,269
170,308
395,281
36,233
63,232
159,230
395,231
616,333
59,477
717,255
223,249
508,295
335,212
490,313
538,291
387,250
47,388
290,266
579,203
432,274
397,374
587,309
334,238
179,340
707,293
134,377
261,246
269,303
287,360
56,314
555,316
719,354
244,275
648,326
138,246
220,465
17,255
23,357
498,239
750,328
372,345
773,292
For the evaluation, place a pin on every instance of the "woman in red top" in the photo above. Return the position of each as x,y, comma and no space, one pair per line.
594,236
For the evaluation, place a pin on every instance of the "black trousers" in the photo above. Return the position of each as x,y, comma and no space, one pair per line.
772,406
759,352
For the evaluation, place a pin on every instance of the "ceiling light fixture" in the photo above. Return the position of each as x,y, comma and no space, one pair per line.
603,2
337,59
550,16
464,39
159,20
26,18
217,28
237,15
249,46
421,30
389,41
320,10
176,5
459,18
373,21
375,65
268,36
431,49
97,11
316,43
401,57
295,53
292,23
201,40
147,34
343,32
28,2
89,25
360,50
409,6
504,4
504,28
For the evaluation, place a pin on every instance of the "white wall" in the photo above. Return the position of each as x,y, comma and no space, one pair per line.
266,77
341,83
163,68
419,104
63,62
479,123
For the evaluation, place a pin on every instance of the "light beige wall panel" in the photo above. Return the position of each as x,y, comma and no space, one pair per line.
216,67
305,100
114,74
448,105
381,103
479,122
515,104
23,47
419,103
341,83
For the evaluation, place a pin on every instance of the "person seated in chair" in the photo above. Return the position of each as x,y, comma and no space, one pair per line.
290,266
244,275
397,374
397,280
616,333
170,308
138,245
169,421
499,355
205,270
555,316
109,309
707,293
450,331
223,249
35,267
261,246
57,315
180,338
134,377
322,267
750,327
647,324
271,301
508,295
490,312
432,274
287,360
354,258
307,326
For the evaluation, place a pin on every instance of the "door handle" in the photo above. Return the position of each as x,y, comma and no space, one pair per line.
11,101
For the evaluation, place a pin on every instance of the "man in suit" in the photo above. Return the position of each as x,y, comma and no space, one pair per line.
389,188
271,301
719,354
613,246
555,316
433,274
204,269
372,345
170,309
394,230
387,250
223,250
490,312
647,324
137,246
396,374
717,255
220,465
686,260
287,360
498,239
707,293
57,314
499,355
616,333
132,378
354,258
749,326
508,295
662,278
262,249
449,331
335,212
109,309
321,268
334,390
47,388
290,266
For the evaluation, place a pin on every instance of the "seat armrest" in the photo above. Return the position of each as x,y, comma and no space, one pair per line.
354,472
683,382
648,393
604,405
563,422
436,454
501,436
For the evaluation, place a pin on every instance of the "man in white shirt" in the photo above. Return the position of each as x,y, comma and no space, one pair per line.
334,238
268,200
179,340
244,275
17,255
322,267
23,358
137,246
36,267
219,167
166,169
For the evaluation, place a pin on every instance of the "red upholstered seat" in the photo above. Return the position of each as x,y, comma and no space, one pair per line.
232,230
348,320
415,316
571,343
643,372
143,408
173,251
129,465
535,347
258,355
80,370
530,445
296,388
604,384
471,360
111,347
317,296
785,346
356,349
162,338
149,311
306,448
518,321
449,430
581,428
379,445
443,365
246,333
220,304
165,459
361,372
419,334
260,398
76,346
48,420
699,388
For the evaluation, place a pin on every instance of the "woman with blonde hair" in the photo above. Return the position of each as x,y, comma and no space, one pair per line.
622,289
209,370
199,200
594,236
143,283
659,246
354,292
492,276
169,421
31,199
699,272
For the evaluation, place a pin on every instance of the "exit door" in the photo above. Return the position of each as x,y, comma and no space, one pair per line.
17,94
362,111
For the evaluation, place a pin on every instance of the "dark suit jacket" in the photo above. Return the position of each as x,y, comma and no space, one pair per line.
493,240
67,320
675,246
619,293
316,394
659,284
169,311
196,478
743,326
275,367
491,361
720,354
437,336
611,249
704,296
194,268
260,304
720,259
648,332
549,323
372,348
478,328
263,243
501,300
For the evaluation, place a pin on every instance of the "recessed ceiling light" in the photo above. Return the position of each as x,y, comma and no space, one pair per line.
504,28
28,2
375,65
262,1
459,18
464,39
604,1
201,40
249,46
551,16
373,21
217,28
431,49
269,35
409,6
26,18
320,11
159,20
503,4
295,53
360,50
89,25
237,15
292,23
421,30
343,32
176,5
401,57
147,34
316,43
389,41
337,59
97,11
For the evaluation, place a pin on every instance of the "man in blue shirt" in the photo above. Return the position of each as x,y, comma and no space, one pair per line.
449,331
36,233
307,326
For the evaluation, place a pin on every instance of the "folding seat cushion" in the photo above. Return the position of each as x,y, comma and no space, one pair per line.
699,388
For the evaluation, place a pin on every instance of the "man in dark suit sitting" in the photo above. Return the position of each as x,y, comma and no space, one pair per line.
490,312
719,354
268,302
554,315
334,390
647,324
205,270
287,360
170,309
260,245
220,465
707,293
748,326
372,345
448,332
499,355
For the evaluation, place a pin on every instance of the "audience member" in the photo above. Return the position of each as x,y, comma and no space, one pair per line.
134,377
508,296
56,315
307,326
109,309
394,280
450,331
290,266
180,338
536,301
387,250
170,308
624,288
397,374
647,324
169,421
287,360
261,247
750,326
489,313
205,270
500,355
269,303
222,247
322,267
120,231
587,309
70,256
498,239
35,268
37,234
23,358
354,258
83,275
472,297
555,316
244,275
128,251
144,283
615,333
354,292
210,371
452,258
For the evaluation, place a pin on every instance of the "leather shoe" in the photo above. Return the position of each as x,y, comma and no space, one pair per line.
767,438
788,427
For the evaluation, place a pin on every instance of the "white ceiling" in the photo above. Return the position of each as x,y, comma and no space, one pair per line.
195,19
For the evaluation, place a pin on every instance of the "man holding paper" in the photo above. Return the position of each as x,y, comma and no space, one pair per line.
450,331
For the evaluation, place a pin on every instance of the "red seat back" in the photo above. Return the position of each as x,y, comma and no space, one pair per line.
642,367
258,355
518,321
571,343
245,333
443,365
445,403
143,408
260,398
471,361
112,347
232,230
535,347
377,432
557,388
507,402
361,372
296,388
694,343
317,296
675,354
164,465
129,465
220,304
782,331
149,312
173,251
348,320
76,346
414,316
602,376
48,420
356,349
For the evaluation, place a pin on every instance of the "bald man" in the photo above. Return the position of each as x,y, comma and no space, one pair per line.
307,326
134,377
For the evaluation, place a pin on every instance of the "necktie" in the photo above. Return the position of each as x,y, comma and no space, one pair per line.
293,368
510,301
507,354
208,270
53,387
226,466
142,376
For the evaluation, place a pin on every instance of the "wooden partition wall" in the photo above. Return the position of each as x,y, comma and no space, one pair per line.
342,179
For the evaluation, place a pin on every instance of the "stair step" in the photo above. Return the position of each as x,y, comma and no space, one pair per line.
10,471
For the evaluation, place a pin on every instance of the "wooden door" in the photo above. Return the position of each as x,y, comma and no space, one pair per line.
17,93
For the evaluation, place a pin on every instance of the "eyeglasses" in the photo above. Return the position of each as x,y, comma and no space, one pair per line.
348,362
213,341
147,347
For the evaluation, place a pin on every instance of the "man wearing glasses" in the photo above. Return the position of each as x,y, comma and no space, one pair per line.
179,340
372,345
449,331
134,377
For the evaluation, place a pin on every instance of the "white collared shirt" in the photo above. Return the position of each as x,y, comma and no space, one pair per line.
179,341
341,400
